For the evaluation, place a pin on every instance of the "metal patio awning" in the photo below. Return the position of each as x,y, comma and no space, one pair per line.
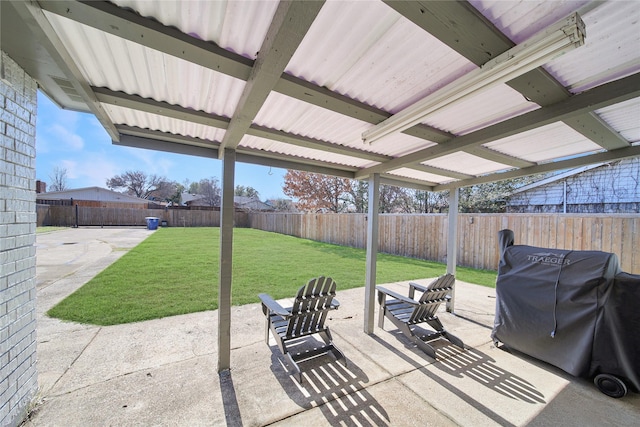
295,85
305,84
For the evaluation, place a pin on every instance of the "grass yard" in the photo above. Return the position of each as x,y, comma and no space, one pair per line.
175,271
48,229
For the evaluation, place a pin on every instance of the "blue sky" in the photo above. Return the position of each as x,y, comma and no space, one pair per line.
78,143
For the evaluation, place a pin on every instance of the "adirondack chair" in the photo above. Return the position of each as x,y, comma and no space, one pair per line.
307,317
407,312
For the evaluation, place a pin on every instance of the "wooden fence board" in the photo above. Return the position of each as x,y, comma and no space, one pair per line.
65,216
424,236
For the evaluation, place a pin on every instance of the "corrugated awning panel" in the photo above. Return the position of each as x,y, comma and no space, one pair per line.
466,163
276,147
556,140
484,109
625,117
141,119
238,26
419,175
599,61
519,20
120,65
300,118
373,55
594,63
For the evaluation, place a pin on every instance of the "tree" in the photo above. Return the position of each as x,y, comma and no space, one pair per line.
394,199
58,179
139,184
176,197
210,190
316,192
194,188
492,196
359,196
241,190
429,201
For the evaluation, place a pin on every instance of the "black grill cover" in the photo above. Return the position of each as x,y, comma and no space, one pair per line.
572,309
617,340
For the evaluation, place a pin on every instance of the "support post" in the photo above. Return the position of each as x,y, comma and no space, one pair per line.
372,253
452,243
227,213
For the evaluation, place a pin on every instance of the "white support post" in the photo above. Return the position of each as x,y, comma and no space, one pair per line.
226,263
452,243
372,253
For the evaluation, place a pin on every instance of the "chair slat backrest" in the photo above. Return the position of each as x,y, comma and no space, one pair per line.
430,300
310,307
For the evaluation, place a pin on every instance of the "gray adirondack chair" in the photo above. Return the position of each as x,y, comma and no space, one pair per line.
306,318
406,312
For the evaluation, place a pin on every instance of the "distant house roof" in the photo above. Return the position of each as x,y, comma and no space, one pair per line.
188,197
91,193
241,202
251,203
557,177
611,187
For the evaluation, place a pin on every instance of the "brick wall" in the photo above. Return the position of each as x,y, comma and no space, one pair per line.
18,375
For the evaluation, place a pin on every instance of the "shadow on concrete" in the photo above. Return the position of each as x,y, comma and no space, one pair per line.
476,365
473,364
337,391
229,401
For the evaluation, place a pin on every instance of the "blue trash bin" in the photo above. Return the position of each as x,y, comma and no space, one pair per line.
152,222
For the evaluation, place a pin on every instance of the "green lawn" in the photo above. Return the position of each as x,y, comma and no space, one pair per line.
48,229
175,271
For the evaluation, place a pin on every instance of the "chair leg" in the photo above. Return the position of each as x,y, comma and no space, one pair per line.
328,339
406,330
267,328
436,324
294,366
339,355
453,339
425,347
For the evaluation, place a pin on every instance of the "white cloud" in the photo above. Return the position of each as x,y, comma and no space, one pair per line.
59,136
65,138
91,170
151,162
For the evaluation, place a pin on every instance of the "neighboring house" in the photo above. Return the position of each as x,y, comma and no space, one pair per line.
90,196
189,199
251,204
601,188
240,202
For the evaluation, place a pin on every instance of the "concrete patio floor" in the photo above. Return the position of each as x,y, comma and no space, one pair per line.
163,372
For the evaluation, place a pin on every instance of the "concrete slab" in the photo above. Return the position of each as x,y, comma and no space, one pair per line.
163,372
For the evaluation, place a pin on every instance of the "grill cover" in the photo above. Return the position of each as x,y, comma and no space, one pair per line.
572,309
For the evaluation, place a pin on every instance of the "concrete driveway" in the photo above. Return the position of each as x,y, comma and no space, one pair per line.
163,372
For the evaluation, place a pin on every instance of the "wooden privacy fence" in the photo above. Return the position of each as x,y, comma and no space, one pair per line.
424,236
65,216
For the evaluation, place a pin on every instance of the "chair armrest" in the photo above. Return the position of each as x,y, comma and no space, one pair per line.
421,288
272,305
395,295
